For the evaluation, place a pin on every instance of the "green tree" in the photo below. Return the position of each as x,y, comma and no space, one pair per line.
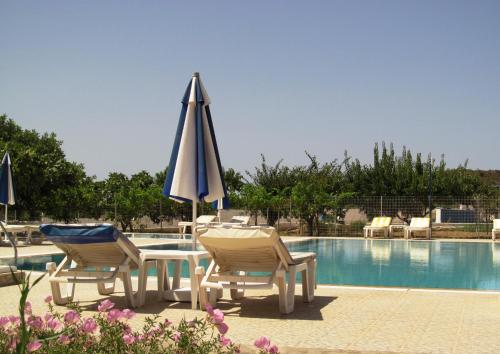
44,180
275,180
233,180
318,193
255,199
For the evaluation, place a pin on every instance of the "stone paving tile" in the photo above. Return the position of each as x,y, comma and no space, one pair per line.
340,320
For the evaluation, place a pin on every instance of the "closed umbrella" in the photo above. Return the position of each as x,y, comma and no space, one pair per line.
195,172
7,196
6,185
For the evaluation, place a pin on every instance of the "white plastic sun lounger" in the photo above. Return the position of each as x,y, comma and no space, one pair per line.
200,221
418,224
496,228
237,220
378,224
16,229
239,250
97,253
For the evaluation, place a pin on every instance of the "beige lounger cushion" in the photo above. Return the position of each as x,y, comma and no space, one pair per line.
496,224
248,249
100,254
420,222
381,221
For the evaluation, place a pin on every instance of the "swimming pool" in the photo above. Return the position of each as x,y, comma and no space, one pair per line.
403,263
391,263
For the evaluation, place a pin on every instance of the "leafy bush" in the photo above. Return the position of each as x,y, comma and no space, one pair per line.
108,331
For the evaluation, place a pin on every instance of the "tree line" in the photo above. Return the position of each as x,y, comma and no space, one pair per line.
46,182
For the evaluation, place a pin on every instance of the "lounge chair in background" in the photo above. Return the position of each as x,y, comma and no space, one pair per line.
378,224
496,228
17,229
200,221
97,253
239,250
238,220
418,224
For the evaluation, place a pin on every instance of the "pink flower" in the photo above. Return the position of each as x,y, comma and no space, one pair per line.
192,323
27,308
89,325
105,305
48,299
35,322
273,349
218,316
128,314
4,321
128,339
71,317
176,336
210,309
223,328
33,346
155,331
64,339
53,324
167,322
114,315
224,341
48,316
15,320
13,342
262,342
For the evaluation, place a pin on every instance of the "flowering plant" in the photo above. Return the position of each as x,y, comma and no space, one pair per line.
108,331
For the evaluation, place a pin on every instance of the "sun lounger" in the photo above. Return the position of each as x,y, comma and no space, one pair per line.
239,250
378,224
496,228
236,221
200,221
97,253
17,229
418,224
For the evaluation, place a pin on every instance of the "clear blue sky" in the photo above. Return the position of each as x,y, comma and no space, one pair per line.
283,76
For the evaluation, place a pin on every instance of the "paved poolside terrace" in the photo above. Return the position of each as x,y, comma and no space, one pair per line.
341,319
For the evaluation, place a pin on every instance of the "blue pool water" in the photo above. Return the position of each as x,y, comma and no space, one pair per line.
395,263
402,263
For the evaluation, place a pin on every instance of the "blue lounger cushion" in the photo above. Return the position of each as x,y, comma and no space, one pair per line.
80,234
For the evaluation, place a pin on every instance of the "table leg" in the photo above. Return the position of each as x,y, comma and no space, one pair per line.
194,284
176,282
162,277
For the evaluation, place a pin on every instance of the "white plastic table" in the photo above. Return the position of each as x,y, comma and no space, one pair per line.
174,292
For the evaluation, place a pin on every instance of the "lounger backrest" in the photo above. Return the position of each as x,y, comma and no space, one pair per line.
245,248
496,224
381,221
420,222
205,219
98,245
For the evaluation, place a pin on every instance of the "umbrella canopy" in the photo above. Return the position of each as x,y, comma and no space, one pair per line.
6,185
195,172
